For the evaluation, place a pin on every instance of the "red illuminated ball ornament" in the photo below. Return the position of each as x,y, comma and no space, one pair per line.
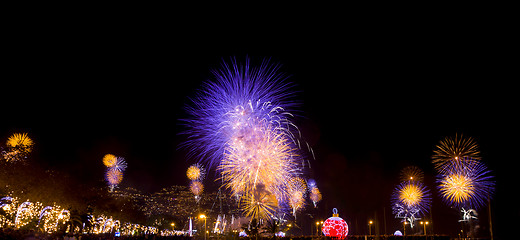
335,226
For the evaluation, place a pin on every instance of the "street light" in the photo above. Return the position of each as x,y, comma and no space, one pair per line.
424,225
173,226
318,223
202,216
370,227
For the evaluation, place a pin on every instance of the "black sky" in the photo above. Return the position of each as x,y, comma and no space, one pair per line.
374,98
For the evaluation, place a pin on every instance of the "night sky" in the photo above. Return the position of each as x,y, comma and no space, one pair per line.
372,101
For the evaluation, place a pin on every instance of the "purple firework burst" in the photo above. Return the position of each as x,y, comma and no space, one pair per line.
232,105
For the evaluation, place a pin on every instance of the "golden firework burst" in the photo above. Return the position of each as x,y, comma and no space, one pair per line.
268,159
410,194
109,160
195,172
454,149
20,140
412,173
19,145
457,188
258,203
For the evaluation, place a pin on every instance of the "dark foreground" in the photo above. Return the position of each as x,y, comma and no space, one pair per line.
31,235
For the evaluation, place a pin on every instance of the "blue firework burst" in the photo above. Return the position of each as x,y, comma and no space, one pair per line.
232,105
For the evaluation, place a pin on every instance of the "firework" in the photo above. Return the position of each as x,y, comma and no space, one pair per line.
297,189
241,125
411,173
226,108
467,215
113,176
109,160
311,183
270,160
466,183
315,196
195,172
259,204
454,149
20,140
19,145
405,212
115,168
196,188
410,199
120,164
314,192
